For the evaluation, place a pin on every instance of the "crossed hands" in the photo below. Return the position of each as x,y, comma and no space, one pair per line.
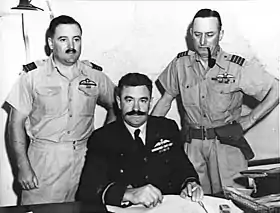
150,196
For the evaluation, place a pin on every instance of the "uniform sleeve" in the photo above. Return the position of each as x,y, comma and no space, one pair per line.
107,88
183,170
94,174
20,97
169,79
255,81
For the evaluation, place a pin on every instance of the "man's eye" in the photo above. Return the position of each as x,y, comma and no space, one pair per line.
197,34
77,40
62,40
144,101
128,100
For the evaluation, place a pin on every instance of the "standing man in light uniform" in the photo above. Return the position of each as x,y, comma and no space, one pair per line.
54,102
211,84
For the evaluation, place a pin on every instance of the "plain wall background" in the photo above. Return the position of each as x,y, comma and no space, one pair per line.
140,36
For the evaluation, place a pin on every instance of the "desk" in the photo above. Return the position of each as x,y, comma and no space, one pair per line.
71,207
176,204
171,204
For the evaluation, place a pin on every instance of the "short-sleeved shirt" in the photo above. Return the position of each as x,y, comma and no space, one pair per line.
209,97
58,109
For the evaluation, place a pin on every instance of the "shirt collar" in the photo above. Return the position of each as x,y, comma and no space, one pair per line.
52,67
132,129
220,56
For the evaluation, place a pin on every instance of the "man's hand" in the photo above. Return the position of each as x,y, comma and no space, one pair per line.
192,190
27,178
147,195
246,122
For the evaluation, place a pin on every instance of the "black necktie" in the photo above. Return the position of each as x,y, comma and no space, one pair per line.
137,139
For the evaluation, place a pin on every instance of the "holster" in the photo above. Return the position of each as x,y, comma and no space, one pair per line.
232,134
185,134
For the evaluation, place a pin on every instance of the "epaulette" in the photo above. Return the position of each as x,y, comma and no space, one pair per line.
185,53
95,66
237,59
29,67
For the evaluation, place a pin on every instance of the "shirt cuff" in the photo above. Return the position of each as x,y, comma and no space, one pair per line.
105,190
189,179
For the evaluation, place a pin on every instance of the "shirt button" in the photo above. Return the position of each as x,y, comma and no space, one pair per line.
70,115
121,171
204,116
147,177
145,159
203,96
68,132
122,154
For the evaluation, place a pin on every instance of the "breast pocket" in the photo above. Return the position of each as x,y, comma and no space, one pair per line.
48,100
87,97
220,95
189,94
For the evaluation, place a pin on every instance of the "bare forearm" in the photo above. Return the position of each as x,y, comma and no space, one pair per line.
110,116
17,138
267,105
161,108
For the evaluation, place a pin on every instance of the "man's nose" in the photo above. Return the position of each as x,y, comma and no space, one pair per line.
203,40
136,106
71,44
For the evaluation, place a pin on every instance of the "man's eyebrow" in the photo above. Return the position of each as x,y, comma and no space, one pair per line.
127,96
61,37
77,36
212,31
144,98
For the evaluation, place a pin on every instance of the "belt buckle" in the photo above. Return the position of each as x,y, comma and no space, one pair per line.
203,132
205,135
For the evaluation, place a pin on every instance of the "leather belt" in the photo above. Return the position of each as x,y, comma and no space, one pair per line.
202,133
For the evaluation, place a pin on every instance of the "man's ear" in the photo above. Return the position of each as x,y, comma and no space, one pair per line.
191,31
221,35
50,43
151,104
118,99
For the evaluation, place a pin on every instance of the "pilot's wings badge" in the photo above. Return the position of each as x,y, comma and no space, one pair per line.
88,83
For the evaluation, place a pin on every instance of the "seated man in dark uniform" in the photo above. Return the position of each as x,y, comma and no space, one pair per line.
138,158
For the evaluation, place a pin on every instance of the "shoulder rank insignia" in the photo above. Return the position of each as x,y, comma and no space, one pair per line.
95,66
182,54
237,59
29,67
92,65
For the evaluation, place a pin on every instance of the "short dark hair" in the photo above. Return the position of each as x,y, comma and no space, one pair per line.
135,79
204,13
63,19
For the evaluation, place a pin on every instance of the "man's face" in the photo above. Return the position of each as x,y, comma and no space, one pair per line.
66,44
134,103
206,33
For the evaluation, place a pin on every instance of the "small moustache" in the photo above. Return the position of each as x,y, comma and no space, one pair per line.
71,51
134,112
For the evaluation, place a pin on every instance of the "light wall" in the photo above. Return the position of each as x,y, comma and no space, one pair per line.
140,36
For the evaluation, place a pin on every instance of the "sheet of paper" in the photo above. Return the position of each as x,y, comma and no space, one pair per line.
176,204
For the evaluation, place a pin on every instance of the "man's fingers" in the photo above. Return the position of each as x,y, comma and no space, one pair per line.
35,181
23,185
157,195
184,193
189,189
